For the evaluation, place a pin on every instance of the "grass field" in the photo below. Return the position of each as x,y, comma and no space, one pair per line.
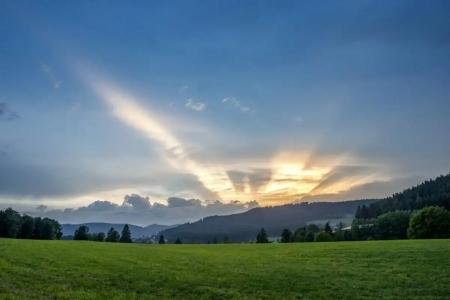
346,270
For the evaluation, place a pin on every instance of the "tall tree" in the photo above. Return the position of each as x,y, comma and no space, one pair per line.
26,228
261,237
82,233
9,223
126,234
161,240
112,236
286,236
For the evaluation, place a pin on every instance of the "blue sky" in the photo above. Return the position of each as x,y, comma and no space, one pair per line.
273,101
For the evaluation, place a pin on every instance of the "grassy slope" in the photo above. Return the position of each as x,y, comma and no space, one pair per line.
68,269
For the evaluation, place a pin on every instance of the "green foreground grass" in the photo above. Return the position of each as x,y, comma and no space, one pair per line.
342,270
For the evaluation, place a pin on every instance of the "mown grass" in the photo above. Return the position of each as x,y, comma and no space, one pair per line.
343,270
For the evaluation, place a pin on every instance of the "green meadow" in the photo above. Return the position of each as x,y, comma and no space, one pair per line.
408,269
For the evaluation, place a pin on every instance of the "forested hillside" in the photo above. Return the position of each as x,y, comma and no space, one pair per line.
432,192
243,227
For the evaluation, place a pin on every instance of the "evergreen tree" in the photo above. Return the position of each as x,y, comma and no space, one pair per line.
81,234
328,228
112,236
286,236
126,234
161,240
261,237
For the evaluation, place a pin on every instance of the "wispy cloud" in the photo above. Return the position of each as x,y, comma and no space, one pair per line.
48,71
183,88
128,110
195,105
232,101
6,114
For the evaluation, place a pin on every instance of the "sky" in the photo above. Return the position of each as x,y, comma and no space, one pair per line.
223,105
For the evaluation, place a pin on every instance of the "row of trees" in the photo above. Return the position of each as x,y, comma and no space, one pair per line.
113,236
15,225
429,222
310,233
426,223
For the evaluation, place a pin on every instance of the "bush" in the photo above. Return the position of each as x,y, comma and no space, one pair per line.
392,225
309,237
362,229
429,222
323,236
299,235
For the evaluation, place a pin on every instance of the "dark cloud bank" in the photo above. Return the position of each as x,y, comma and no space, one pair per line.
138,210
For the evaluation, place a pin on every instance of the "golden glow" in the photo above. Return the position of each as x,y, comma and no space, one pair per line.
292,175
291,179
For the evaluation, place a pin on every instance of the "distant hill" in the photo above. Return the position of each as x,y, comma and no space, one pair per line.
431,192
243,227
136,231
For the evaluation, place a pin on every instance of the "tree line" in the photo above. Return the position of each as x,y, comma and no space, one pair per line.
113,236
429,193
15,225
428,222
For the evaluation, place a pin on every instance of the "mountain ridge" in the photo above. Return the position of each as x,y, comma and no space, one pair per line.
242,227
136,231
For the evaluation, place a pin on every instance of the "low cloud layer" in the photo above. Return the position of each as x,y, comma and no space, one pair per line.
138,210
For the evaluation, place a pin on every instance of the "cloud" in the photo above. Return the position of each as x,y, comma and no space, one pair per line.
233,102
127,109
195,105
6,114
99,206
181,202
183,88
371,190
138,210
137,201
48,71
340,174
